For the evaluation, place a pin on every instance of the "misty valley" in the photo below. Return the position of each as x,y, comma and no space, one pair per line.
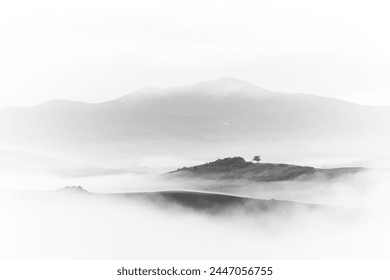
173,174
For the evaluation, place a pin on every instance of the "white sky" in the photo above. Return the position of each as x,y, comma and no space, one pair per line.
102,49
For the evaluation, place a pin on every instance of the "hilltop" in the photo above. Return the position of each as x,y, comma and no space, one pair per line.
237,168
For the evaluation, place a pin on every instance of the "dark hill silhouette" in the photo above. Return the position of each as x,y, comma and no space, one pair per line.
237,168
217,203
214,203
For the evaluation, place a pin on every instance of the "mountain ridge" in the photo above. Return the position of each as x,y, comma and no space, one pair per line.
220,82
193,115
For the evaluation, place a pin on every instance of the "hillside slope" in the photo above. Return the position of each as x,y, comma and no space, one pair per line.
237,168
211,203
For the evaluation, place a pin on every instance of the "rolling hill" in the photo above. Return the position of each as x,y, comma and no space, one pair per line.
237,168
212,203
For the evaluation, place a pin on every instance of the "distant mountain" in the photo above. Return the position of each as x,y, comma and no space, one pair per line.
221,111
237,168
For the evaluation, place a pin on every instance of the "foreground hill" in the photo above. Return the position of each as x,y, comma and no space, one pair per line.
237,168
212,203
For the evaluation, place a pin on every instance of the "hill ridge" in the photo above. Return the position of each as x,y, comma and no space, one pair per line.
234,168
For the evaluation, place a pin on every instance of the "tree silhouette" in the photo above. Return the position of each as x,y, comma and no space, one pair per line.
257,159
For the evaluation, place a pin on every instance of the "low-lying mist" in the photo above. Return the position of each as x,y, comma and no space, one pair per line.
47,224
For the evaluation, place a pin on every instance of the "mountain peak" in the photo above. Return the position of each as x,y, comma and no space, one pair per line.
227,85
222,87
226,80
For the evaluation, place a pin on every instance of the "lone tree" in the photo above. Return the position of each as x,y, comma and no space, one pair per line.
257,159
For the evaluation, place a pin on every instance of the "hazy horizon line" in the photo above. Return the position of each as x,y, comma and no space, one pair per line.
187,86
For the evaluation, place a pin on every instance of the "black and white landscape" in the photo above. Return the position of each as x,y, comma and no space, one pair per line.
107,180
183,129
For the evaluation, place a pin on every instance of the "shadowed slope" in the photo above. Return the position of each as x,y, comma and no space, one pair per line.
215,203
237,168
